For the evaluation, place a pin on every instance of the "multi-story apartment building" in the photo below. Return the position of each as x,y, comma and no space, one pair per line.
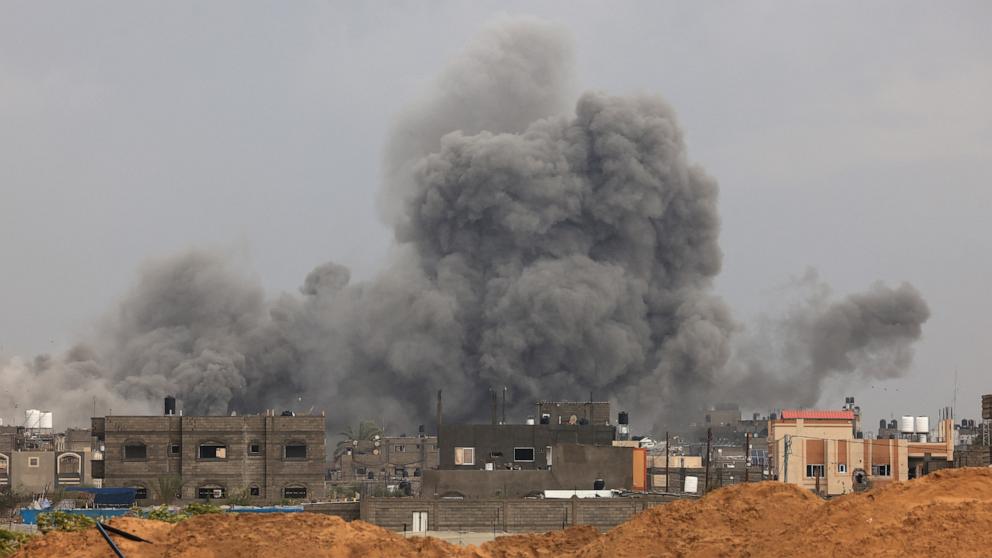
266,457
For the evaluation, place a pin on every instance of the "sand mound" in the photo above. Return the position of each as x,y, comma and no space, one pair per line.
948,513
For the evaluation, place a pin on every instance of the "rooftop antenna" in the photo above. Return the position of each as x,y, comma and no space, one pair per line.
954,402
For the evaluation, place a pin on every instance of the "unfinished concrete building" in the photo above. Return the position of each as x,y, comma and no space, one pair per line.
37,459
267,457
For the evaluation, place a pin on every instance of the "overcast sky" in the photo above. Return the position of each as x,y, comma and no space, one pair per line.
854,137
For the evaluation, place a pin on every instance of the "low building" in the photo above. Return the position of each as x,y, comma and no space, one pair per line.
265,457
390,458
573,412
513,446
39,460
818,450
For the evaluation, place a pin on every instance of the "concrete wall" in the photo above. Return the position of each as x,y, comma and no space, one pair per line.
509,515
26,479
502,439
349,511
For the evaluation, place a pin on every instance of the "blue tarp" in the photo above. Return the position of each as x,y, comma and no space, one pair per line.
30,516
109,496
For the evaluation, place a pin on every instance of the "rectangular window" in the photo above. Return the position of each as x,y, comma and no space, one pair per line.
881,470
34,462
213,451
813,471
140,493
207,492
296,492
842,467
254,448
135,451
296,451
464,456
254,491
523,454
360,471
175,449
399,448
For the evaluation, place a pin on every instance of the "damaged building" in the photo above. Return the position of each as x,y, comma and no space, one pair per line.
268,457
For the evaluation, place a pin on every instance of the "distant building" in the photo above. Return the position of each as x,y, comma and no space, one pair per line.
513,446
37,460
818,450
267,457
391,458
573,412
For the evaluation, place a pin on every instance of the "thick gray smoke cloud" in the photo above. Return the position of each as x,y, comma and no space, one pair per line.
557,254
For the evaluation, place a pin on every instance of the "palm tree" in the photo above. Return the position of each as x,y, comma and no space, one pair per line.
366,431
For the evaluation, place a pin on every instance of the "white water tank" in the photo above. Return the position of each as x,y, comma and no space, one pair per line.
46,420
32,418
923,438
922,425
907,425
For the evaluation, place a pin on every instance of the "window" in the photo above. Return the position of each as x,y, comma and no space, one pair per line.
175,449
360,471
4,465
294,492
296,451
399,448
401,472
416,472
759,457
254,491
813,471
255,447
523,454
34,462
68,464
881,470
140,493
842,467
212,450
464,456
210,492
135,450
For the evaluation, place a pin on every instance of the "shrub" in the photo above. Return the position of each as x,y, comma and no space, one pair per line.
62,521
10,541
197,508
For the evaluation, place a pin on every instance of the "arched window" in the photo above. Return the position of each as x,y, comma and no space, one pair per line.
140,492
211,492
212,450
294,492
4,465
254,490
135,450
69,464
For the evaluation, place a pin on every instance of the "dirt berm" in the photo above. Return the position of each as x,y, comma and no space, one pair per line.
948,513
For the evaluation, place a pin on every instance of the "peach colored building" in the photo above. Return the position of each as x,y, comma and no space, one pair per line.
818,450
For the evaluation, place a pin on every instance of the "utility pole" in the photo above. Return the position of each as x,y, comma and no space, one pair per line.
787,445
668,479
709,441
747,455
504,406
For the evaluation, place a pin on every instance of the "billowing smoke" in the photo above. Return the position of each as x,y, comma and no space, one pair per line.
557,252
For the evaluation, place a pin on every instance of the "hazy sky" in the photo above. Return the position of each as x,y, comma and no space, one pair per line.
852,137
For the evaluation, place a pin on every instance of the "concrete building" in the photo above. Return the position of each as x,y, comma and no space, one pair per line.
36,460
267,457
818,450
391,458
513,446
573,412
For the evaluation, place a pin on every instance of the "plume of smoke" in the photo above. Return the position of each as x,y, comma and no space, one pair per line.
554,253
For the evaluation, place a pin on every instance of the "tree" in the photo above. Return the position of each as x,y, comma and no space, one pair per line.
168,487
367,430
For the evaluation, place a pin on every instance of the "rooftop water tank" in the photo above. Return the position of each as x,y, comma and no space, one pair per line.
32,418
907,425
922,425
46,420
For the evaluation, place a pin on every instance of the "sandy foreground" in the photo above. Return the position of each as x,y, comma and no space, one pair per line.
948,513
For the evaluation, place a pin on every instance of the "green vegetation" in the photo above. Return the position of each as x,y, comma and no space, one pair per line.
10,541
168,488
242,497
366,431
62,521
197,508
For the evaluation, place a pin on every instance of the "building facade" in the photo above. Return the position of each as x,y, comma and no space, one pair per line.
513,446
265,457
35,460
391,458
819,451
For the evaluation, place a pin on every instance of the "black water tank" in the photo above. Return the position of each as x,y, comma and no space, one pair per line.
545,419
170,405
623,418
599,484
882,423
288,414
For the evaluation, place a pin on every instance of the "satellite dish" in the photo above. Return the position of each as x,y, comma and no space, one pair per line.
573,419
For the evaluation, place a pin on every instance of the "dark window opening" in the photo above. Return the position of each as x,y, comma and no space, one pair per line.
416,472
401,472
210,492
140,493
523,454
495,454
371,475
881,470
254,491
813,471
254,448
294,492
296,451
360,471
213,451
135,451
175,449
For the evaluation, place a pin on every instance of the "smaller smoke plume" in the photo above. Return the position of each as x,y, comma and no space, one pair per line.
866,335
